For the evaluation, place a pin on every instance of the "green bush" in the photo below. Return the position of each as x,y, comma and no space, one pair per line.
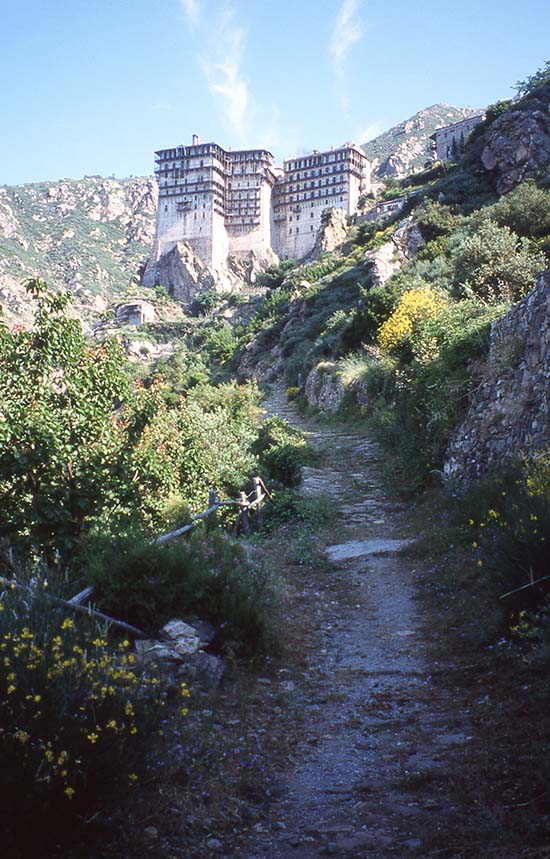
275,274
436,220
505,520
493,263
205,575
282,450
525,210
419,399
292,507
204,302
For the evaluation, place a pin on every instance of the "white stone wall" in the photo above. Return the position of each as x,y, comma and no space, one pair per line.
236,203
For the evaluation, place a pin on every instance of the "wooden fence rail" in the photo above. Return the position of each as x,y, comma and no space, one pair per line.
245,503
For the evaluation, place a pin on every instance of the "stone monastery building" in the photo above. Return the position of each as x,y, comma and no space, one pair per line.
231,203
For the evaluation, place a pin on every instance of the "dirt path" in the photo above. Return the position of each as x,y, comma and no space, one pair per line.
369,777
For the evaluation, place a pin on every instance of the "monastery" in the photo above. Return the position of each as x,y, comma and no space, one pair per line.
226,203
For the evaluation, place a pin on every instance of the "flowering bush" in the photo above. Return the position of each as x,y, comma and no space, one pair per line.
415,305
77,716
509,530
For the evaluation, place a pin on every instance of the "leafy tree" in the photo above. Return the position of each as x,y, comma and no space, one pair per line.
60,448
79,448
532,82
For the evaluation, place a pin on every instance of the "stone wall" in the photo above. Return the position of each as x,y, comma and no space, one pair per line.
510,412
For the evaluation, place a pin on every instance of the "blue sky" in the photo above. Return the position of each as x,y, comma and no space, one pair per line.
95,87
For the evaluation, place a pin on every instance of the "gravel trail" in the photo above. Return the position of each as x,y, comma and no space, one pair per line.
369,776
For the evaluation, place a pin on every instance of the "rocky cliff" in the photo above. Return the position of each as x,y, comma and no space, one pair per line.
91,236
183,273
510,412
407,146
517,144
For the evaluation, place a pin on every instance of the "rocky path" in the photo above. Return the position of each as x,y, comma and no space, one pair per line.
370,775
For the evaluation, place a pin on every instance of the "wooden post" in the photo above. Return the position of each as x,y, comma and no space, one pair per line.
243,504
212,499
258,493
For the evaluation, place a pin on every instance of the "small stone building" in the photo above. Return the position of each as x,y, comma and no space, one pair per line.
137,312
448,142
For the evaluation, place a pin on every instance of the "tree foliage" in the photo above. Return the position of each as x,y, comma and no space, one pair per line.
79,446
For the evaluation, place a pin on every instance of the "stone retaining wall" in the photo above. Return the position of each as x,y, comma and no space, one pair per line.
509,413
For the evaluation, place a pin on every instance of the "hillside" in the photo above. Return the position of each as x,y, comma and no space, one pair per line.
406,146
90,235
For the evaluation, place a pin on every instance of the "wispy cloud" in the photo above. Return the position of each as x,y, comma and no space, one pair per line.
348,30
220,51
224,73
366,133
192,10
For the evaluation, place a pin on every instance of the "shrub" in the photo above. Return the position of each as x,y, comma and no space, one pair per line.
205,575
533,82
282,450
525,210
493,263
292,507
414,306
204,302
61,456
507,517
275,274
78,718
419,399
436,220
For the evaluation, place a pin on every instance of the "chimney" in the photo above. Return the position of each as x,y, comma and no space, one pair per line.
196,140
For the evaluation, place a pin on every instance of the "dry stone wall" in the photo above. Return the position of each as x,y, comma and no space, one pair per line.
510,411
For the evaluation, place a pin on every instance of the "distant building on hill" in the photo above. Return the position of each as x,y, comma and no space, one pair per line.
449,141
226,203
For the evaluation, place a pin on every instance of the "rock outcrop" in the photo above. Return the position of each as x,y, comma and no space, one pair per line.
386,260
518,142
178,654
185,275
332,233
510,412
324,389
181,271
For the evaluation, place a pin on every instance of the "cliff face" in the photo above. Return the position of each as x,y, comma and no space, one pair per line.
518,142
91,236
183,273
407,146
511,410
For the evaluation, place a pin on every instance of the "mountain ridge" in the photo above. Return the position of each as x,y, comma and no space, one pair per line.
406,146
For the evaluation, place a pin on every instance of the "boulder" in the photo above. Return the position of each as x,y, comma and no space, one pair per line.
201,670
324,389
181,636
518,144
403,245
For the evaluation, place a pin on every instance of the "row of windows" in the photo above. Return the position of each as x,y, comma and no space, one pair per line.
297,230
314,160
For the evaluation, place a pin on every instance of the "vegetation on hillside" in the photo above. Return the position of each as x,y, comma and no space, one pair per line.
93,466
